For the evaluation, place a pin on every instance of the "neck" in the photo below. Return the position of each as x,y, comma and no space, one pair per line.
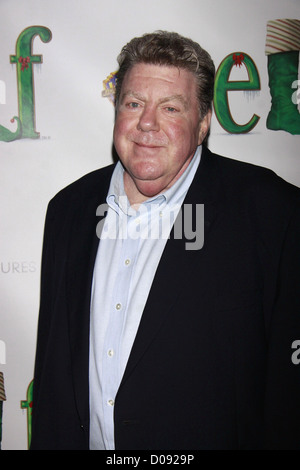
135,197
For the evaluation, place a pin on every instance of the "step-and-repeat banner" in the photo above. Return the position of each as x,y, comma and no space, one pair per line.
57,64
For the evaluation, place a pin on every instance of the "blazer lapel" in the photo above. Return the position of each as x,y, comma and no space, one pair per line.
176,263
81,257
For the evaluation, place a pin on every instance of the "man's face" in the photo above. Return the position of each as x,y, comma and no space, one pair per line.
157,127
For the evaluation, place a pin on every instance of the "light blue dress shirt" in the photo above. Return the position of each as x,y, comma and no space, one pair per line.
130,248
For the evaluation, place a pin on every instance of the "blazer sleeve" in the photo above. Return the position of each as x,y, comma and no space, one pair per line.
282,399
46,299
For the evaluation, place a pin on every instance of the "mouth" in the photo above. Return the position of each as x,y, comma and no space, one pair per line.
148,142
149,146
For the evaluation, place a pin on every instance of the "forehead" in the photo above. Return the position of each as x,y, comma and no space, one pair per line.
159,79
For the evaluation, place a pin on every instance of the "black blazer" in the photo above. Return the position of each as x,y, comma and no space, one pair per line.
211,366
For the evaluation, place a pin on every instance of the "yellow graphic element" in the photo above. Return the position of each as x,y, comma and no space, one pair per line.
109,85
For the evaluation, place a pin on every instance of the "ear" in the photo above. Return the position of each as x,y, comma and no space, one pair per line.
204,127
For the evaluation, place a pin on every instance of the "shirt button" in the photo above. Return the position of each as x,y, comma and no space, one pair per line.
110,352
118,306
127,262
111,402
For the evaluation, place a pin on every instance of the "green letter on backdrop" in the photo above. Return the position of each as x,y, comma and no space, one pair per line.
223,86
24,60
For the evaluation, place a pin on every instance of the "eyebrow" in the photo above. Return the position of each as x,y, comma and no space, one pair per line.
179,98
166,99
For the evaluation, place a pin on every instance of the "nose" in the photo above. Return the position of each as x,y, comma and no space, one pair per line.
148,119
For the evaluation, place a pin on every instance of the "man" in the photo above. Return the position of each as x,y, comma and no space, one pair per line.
160,341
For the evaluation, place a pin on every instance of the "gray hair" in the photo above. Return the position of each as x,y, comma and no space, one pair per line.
170,49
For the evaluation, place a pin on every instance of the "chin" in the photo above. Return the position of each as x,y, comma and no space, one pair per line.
145,171
149,188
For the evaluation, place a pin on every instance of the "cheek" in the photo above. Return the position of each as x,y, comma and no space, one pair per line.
180,136
118,128
120,132
179,128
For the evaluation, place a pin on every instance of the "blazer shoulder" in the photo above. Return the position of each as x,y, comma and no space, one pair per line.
254,190
89,190
248,179
90,185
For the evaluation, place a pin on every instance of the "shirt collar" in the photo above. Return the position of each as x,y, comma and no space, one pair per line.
117,198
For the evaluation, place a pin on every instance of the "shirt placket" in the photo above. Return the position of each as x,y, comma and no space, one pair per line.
111,371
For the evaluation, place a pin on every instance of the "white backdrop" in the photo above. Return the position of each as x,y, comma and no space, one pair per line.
75,124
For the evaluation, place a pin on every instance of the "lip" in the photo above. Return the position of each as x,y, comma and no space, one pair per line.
148,146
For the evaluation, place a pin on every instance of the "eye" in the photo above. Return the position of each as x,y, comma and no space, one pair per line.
171,109
132,105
